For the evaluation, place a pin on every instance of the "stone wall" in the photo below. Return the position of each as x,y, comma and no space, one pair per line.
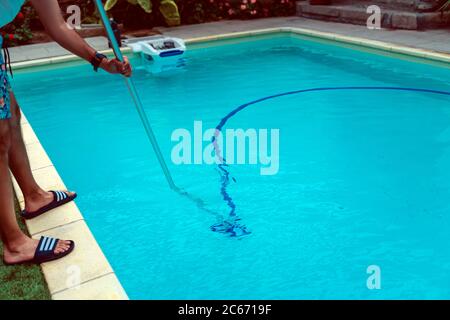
395,14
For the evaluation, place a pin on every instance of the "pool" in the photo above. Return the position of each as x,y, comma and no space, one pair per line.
363,177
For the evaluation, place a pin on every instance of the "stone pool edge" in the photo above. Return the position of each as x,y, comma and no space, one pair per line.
86,273
333,37
379,45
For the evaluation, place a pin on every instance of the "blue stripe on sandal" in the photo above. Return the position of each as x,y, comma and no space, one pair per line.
45,250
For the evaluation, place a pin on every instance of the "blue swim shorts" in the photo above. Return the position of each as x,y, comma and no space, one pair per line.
5,88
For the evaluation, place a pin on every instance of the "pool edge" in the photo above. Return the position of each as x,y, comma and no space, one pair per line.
86,273
384,46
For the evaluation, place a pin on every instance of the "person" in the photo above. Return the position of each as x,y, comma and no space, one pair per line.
18,248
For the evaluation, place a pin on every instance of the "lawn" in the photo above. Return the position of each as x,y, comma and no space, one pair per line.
22,282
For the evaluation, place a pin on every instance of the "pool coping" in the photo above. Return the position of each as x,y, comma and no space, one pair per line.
86,273
379,45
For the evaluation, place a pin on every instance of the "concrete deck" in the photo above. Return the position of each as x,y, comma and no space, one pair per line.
433,40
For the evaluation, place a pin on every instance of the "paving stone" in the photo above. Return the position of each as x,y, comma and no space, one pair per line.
327,11
404,20
60,216
354,15
29,137
434,19
50,49
104,288
39,156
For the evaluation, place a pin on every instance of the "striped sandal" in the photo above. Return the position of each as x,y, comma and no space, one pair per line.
45,252
59,198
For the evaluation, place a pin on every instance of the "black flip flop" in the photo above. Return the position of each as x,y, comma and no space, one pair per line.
59,198
45,252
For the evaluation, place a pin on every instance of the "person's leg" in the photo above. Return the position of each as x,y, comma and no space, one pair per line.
17,247
9,229
35,196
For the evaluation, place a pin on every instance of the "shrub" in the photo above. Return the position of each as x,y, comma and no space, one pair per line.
154,10
191,11
198,11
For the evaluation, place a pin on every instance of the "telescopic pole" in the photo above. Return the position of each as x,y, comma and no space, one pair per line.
135,96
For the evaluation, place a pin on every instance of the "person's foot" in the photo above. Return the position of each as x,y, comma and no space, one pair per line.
40,199
25,249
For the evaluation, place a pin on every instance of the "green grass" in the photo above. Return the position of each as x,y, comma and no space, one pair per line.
22,282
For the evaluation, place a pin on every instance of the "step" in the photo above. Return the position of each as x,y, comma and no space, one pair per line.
407,5
356,13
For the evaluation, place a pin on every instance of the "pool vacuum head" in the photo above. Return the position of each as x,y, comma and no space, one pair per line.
232,229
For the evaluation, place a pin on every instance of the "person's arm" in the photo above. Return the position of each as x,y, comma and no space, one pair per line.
50,15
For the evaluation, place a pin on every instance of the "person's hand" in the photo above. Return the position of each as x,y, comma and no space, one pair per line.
116,67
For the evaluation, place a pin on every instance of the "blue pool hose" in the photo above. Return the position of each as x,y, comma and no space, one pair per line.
229,224
135,96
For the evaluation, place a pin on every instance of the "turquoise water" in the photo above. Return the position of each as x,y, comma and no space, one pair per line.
364,176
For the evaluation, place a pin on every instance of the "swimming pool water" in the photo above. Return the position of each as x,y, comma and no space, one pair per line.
364,176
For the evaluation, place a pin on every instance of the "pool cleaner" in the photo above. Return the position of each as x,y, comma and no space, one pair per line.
159,53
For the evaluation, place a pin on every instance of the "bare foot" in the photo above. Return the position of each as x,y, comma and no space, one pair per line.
40,199
24,251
